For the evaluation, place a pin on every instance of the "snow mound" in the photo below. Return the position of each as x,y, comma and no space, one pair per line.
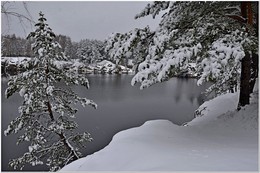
245,118
105,63
223,139
220,105
223,110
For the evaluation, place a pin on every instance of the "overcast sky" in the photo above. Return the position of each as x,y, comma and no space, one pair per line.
81,19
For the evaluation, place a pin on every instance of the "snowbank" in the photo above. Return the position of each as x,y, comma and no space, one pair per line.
222,139
109,67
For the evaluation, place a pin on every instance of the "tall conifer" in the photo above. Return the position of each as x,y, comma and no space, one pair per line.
46,115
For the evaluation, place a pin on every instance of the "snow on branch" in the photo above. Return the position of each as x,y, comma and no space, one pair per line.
153,9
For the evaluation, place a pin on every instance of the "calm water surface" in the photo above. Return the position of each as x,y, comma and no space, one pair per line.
120,106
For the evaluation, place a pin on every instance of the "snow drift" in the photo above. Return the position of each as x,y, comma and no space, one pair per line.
221,139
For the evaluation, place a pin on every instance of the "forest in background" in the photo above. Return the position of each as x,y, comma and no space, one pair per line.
87,51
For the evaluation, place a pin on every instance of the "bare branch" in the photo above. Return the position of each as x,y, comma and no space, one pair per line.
8,11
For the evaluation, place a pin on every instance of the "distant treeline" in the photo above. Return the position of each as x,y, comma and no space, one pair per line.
87,51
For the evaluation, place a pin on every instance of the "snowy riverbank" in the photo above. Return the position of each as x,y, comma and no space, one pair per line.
13,65
220,140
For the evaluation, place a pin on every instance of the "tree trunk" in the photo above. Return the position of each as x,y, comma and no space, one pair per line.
244,97
254,71
254,64
244,81
61,135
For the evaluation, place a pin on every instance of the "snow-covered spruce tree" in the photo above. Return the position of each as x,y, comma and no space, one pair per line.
207,33
46,115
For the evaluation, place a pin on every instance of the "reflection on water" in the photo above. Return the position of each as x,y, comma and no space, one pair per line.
120,106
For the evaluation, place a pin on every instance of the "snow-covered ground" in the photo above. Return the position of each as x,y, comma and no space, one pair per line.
221,139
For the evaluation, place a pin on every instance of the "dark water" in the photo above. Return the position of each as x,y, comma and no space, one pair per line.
120,106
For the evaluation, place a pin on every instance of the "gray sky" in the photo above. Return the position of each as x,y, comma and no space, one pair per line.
81,19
